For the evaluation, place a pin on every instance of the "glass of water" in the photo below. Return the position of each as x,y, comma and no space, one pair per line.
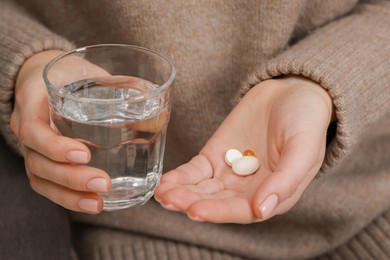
116,99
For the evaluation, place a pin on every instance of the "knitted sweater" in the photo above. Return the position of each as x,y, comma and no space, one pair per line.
221,49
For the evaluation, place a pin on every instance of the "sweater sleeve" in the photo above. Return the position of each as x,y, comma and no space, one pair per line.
349,57
21,37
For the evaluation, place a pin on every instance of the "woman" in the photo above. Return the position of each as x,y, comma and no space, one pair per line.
316,103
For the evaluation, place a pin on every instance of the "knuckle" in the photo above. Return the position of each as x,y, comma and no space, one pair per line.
13,124
58,198
63,201
34,184
56,147
31,163
68,202
23,133
68,180
74,177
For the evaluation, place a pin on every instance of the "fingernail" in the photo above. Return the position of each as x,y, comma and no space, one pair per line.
157,199
97,185
89,205
77,156
170,207
195,218
268,205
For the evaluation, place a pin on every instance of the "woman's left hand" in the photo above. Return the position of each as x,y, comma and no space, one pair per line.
284,121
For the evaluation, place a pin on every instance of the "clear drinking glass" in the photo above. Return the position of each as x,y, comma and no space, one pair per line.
116,99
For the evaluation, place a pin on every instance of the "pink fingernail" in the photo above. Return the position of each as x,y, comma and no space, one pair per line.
170,207
97,185
268,205
89,205
195,218
157,199
77,156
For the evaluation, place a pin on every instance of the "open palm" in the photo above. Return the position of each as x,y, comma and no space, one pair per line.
285,122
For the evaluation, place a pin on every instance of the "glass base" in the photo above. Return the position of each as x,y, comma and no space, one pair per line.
113,205
130,191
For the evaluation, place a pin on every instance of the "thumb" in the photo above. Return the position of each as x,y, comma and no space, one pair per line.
298,160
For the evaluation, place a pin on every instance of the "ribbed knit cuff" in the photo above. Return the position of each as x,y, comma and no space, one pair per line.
350,59
21,37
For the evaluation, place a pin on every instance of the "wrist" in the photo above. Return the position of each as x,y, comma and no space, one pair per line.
279,88
311,85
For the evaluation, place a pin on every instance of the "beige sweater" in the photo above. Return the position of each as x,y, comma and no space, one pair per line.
221,48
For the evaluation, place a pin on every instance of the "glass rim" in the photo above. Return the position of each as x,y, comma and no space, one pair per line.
138,97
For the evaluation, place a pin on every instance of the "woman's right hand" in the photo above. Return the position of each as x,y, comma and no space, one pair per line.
54,164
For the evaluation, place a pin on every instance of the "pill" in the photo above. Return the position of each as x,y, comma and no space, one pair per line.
232,155
249,153
245,165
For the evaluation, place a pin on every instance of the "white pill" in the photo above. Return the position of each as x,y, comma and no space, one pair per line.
246,165
232,155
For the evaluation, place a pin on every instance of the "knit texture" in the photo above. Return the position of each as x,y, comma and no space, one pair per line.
21,37
216,46
371,243
31,226
356,107
111,244
324,219
118,245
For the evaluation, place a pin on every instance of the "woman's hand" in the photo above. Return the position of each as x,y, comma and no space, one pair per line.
54,163
285,122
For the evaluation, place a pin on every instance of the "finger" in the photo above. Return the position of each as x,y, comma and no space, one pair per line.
74,200
196,170
76,177
39,136
180,197
32,127
234,209
298,158
207,186
287,204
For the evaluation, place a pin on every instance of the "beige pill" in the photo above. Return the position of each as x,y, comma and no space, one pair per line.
232,155
245,165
